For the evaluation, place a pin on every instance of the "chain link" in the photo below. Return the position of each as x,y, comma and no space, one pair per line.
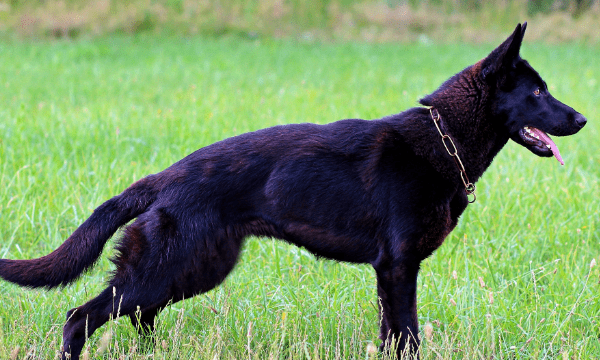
447,140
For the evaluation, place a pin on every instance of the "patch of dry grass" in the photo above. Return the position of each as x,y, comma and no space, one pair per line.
322,20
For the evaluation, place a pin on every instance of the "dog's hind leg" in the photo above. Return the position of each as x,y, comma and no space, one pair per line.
157,264
118,299
144,321
126,292
84,320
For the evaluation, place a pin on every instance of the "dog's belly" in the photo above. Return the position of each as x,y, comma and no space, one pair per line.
346,246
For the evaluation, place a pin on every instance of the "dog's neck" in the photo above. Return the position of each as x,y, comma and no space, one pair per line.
463,103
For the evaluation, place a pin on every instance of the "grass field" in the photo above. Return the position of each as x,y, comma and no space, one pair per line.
81,120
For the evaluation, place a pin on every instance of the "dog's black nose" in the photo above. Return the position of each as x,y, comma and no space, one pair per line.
580,120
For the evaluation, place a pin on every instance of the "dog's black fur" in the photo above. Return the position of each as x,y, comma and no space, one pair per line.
384,192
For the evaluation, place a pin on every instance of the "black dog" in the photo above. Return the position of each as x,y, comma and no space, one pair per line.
384,192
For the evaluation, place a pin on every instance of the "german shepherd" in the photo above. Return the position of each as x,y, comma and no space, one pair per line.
384,192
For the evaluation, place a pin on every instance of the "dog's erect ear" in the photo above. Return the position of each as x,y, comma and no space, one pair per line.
505,56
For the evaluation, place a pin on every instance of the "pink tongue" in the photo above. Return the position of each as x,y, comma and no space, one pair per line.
546,140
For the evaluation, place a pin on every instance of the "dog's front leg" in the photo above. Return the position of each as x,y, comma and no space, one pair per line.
397,291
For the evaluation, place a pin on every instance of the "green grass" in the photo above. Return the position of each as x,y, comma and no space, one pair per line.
82,120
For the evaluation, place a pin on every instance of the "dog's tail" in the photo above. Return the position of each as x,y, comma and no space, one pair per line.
81,250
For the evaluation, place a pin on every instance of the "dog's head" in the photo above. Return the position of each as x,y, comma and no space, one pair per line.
522,102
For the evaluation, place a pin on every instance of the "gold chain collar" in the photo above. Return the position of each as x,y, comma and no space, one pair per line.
446,139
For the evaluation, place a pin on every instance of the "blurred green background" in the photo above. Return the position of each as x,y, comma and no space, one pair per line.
325,20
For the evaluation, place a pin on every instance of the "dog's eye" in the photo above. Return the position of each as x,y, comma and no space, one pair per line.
537,92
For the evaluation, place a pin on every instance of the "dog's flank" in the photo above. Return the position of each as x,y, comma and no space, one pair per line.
384,192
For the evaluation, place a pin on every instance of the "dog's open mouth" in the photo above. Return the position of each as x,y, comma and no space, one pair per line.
540,140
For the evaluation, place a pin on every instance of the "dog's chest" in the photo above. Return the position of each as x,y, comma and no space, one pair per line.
437,222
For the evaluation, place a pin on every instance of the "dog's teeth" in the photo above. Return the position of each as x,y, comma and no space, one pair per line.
548,146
